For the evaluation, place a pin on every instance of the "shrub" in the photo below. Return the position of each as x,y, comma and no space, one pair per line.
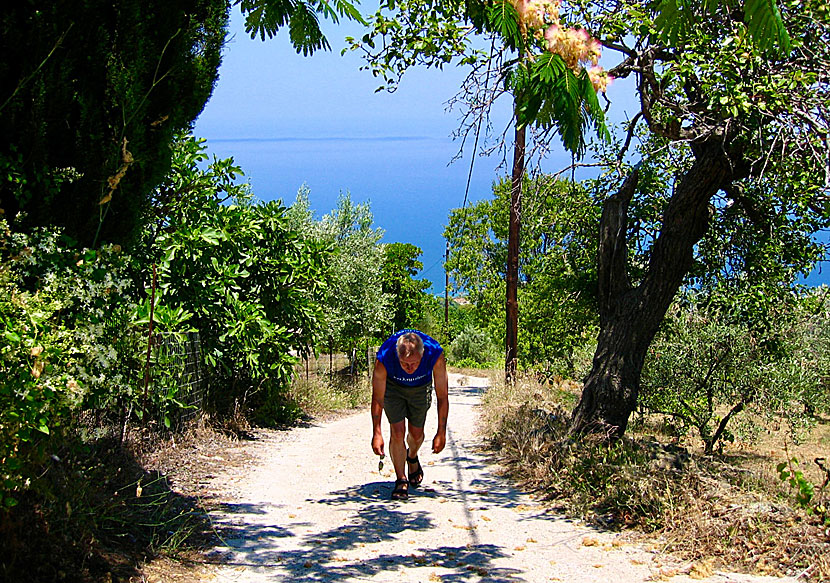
64,316
74,339
253,282
474,346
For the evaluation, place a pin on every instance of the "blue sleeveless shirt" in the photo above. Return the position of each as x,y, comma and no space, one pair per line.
388,357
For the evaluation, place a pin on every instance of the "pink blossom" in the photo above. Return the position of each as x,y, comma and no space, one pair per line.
599,78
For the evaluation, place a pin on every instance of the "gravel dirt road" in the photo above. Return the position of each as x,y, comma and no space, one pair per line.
313,507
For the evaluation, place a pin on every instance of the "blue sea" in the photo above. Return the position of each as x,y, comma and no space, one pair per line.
408,181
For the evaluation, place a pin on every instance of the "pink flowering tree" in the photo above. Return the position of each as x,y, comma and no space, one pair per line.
556,75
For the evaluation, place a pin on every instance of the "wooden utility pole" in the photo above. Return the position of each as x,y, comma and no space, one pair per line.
512,304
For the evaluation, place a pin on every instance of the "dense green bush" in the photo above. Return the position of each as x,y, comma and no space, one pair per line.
253,282
66,341
473,346
75,323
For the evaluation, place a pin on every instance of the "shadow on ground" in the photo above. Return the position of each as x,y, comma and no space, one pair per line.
330,555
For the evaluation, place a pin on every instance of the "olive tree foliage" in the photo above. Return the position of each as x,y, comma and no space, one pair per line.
816,342
741,340
746,131
356,305
557,274
718,376
472,347
445,318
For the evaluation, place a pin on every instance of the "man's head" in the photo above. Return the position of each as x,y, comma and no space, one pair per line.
410,348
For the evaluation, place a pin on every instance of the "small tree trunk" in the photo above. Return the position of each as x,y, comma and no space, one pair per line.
630,316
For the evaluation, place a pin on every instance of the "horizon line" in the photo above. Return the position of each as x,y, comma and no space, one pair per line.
326,139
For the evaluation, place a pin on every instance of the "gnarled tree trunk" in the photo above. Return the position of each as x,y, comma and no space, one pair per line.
630,315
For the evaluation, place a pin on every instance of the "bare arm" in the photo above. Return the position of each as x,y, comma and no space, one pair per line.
442,392
378,394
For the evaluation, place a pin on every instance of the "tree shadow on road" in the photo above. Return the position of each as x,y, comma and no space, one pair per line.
450,564
325,556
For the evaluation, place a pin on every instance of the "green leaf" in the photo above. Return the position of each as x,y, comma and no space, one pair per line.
211,236
766,26
672,22
504,19
11,336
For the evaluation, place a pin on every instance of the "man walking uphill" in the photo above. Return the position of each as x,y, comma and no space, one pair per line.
408,363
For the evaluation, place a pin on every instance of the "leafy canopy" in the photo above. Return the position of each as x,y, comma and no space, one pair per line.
538,58
265,18
557,274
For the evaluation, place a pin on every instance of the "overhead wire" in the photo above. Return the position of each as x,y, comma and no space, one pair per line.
461,228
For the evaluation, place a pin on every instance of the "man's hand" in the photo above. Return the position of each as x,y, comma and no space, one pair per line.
378,393
377,444
439,441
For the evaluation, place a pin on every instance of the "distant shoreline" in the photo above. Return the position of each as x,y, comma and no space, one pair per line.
327,139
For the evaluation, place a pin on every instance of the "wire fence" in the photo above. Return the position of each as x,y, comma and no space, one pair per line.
340,364
177,371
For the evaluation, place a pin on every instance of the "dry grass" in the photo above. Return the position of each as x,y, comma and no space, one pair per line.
94,512
730,509
324,396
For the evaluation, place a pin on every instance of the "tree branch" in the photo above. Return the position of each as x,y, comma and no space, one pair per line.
722,425
613,248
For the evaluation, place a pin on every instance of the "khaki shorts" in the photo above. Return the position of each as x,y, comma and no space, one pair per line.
407,402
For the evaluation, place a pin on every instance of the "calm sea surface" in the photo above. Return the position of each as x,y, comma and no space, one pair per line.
408,181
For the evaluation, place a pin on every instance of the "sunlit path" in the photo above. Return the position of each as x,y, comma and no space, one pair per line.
316,509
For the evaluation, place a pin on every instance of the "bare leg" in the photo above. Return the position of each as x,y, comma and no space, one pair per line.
397,448
414,441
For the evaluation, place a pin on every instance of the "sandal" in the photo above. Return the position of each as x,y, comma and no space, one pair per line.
401,491
416,477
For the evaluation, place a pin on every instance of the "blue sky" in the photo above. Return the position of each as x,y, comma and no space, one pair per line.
267,90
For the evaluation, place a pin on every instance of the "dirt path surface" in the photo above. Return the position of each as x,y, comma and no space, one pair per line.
315,508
